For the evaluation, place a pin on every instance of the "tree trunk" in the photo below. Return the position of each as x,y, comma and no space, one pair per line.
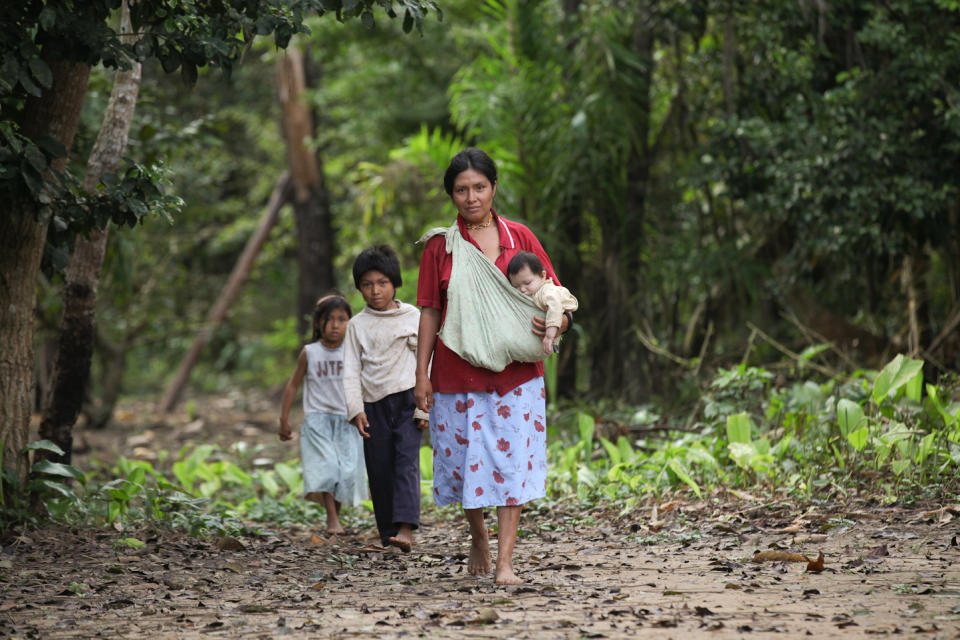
311,202
279,197
567,260
23,232
78,326
617,357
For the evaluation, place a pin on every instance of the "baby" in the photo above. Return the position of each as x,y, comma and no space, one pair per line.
528,276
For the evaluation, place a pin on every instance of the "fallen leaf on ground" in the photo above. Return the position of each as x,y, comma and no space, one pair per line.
229,543
485,616
779,556
816,566
667,507
813,537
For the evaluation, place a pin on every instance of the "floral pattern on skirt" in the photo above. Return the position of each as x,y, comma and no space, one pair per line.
489,450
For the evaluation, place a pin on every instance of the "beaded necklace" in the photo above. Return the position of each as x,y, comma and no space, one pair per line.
480,225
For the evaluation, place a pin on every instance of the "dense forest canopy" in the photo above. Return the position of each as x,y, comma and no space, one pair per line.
695,169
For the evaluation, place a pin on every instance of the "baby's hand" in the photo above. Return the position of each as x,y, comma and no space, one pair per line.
548,345
423,425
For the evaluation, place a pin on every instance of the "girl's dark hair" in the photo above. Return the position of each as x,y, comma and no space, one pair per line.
524,259
378,258
326,305
469,159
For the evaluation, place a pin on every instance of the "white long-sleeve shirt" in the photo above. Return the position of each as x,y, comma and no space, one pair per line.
380,355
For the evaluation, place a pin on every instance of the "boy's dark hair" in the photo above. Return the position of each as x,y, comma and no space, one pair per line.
525,259
380,258
326,305
469,159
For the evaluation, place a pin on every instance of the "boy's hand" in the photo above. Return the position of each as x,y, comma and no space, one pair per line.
284,432
423,425
362,424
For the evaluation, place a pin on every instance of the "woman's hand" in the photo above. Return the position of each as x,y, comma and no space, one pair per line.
540,325
426,341
423,393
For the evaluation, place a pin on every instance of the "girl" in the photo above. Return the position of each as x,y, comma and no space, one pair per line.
331,449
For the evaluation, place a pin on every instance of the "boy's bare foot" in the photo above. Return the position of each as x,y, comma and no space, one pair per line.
336,530
505,575
404,539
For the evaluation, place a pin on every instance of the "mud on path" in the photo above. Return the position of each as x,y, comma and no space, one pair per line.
685,573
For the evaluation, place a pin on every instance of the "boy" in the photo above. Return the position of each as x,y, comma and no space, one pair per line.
378,380
527,275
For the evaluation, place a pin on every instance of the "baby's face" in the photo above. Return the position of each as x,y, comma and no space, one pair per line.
528,282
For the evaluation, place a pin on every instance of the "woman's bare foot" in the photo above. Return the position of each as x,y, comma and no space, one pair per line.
404,538
479,562
508,518
505,575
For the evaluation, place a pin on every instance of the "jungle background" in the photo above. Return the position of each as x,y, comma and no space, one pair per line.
756,204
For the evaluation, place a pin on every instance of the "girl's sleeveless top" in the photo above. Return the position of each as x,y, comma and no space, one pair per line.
323,382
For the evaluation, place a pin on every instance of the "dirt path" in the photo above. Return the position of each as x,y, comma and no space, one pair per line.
887,572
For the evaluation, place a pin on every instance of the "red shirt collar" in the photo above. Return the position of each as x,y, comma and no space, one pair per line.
504,237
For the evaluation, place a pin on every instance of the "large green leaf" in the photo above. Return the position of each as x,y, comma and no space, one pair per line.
586,423
738,428
858,439
897,373
45,445
676,465
58,469
849,416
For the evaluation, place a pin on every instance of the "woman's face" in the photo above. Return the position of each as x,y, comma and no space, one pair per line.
473,195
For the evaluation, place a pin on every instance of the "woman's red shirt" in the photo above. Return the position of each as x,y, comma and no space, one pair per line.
449,372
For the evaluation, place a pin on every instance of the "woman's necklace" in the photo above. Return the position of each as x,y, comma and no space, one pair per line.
480,225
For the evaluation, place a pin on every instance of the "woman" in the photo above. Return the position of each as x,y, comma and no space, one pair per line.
488,428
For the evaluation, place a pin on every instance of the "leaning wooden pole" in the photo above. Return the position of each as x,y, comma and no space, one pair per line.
279,197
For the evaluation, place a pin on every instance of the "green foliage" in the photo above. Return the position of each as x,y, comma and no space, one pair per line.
823,434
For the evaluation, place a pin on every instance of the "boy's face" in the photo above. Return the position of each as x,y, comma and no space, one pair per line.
528,282
377,291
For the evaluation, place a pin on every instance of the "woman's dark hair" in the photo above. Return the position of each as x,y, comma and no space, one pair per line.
380,258
326,305
524,259
469,159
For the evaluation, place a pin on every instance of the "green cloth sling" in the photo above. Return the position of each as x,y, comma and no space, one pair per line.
488,321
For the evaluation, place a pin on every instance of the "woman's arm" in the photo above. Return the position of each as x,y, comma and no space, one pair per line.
290,394
426,342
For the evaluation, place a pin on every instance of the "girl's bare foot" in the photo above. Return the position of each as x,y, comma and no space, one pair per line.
404,539
505,575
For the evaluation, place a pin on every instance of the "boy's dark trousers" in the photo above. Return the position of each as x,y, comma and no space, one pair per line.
392,455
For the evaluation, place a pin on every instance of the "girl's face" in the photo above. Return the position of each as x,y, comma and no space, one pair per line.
331,335
473,196
377,291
